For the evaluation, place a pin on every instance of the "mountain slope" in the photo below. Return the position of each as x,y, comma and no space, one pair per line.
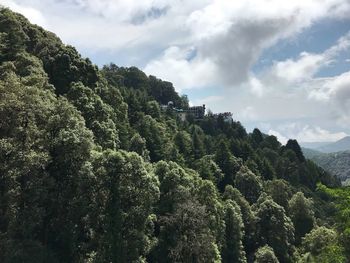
92,169
337,163
338,146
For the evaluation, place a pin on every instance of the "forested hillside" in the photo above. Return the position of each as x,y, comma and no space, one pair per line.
338,146
337,163
93,170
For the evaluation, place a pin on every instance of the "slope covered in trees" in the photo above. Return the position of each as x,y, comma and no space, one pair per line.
92,170
337,163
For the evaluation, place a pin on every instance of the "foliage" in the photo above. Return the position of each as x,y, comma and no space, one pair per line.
95,168
265,254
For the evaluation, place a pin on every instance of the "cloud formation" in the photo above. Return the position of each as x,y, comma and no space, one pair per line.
215,44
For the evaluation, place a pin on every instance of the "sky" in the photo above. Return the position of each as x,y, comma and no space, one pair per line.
281,66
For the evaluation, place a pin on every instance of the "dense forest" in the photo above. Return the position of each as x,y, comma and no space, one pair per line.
92,169
336,163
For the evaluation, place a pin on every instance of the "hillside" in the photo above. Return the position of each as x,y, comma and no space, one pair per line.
338,146
337,163
94,168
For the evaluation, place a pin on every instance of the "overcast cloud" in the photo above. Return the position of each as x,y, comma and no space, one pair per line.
213,49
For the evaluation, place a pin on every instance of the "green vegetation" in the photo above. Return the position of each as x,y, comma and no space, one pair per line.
337,163
93,170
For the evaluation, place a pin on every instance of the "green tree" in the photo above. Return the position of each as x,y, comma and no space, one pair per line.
24,158
294,146
153,109
341,196
128,194
256,138
198,145
302,215
249,238
265,254
274,228
155,134
98,115
248,184
194,241
228,164
138,145
321,245
183,142
13,36
234,231
280,191
208,169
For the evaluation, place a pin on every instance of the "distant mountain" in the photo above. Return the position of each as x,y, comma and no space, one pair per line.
338,146
336,163
311,153
314,145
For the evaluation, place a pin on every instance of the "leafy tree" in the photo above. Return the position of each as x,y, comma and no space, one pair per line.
193,240
256,138
342,198
153,109
13,37
249,238
321,244
271,142
302,215
287,167
129,193
100,116
183,142
155,134
198,145
138,145
266,170
248,184
265,254
185,235
294,146
280,191
73,180
274,228
207,194
24,158
209,170
227,163
234,231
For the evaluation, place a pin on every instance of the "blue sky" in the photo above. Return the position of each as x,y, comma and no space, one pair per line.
281,66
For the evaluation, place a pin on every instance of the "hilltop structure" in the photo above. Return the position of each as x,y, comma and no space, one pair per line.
198,112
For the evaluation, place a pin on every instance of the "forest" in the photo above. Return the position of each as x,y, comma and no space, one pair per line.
92,169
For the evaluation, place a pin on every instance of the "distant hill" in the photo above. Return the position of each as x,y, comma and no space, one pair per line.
311,153
314,145
337,163
338,146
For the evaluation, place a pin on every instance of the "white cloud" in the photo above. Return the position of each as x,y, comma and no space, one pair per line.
248,113
214,43
279,136
228,35
209,99
301,69
305,133
175,66
304,68
33,14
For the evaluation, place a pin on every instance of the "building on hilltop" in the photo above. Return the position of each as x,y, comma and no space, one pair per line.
198,112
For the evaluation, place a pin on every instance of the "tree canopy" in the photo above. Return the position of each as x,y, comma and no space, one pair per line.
95,168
